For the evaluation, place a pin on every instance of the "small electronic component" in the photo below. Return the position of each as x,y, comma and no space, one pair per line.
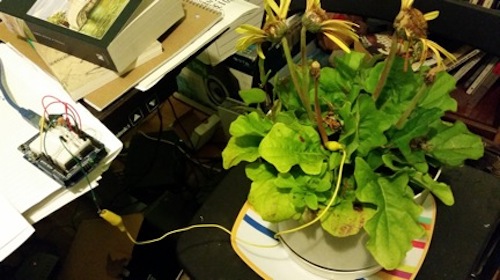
65,154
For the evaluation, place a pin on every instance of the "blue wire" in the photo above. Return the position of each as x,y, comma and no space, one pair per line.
32,117
5,88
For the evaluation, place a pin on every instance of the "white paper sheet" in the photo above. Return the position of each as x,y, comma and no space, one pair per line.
14,228
23,184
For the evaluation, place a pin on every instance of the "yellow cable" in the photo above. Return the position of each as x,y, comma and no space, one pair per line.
117,221
330,203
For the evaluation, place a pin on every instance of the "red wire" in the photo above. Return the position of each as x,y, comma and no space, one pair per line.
69,110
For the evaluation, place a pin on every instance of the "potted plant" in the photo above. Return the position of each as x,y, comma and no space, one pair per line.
347,146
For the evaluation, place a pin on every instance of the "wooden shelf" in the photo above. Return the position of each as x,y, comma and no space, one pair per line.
483,118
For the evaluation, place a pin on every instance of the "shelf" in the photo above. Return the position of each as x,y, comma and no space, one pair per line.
483,118
458,20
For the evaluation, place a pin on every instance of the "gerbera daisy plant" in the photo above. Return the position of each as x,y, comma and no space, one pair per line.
348,145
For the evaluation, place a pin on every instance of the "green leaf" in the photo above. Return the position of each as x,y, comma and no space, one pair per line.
260,171
272,204
238,149
289,181
395,223
439,189
364,126
417,126
371,127
438,95
322,183
344,219
348,64
454,144
311,201
251,124
349,136
253,95
398,91
285,147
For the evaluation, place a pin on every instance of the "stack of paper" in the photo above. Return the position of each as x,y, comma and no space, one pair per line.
29,193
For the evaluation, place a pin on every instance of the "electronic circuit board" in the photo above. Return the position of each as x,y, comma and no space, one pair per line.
64,154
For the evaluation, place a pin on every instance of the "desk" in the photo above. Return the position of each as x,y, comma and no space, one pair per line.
119,116
459,234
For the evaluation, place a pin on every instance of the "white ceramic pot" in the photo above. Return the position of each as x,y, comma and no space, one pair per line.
332,257
327,256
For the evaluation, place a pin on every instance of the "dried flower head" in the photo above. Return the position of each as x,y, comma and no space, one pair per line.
274,29
411,25
316,20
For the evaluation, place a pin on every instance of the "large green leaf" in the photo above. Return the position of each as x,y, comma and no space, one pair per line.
272,204
454,144
371,127
395,224
364,126
398,91
260,171
406,139
341,77
345,219
438,95
439,189
285,147
238,149
252,124
253,95
416,126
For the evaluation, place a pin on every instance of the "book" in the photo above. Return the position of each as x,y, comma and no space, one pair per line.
80,77
468,66
476,70
481,90
225,45
200,25
463,56
488,3
104,27
483,75
179,45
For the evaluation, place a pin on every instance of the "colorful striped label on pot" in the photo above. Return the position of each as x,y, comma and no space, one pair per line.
254,242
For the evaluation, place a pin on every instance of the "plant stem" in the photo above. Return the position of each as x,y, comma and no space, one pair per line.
263,79
317,110
304,66
387,67
304,98
412,106
303,46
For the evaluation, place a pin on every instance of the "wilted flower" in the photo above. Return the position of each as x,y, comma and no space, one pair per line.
273,30
411,25
316,20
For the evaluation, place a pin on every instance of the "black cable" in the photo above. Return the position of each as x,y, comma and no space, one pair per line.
193,161
176,117
151,163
